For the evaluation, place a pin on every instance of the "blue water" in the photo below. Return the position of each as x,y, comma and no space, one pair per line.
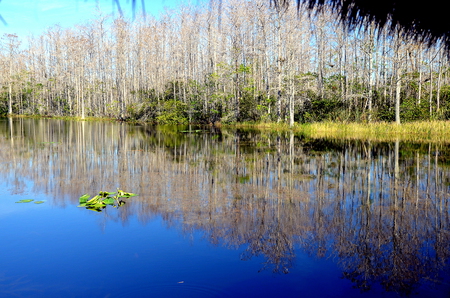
71,252
49,251
181,249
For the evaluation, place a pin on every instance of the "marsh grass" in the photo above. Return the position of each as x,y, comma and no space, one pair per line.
424,131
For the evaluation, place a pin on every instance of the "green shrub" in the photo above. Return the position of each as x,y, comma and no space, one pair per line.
173,112
410,110
322,109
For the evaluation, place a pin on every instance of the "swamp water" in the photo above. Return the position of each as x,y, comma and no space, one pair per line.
220,213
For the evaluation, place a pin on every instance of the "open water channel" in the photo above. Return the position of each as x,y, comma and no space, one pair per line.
219,213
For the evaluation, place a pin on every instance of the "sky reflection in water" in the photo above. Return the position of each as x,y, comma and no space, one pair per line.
219,214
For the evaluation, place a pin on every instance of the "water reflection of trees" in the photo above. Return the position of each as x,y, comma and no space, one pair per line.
381,209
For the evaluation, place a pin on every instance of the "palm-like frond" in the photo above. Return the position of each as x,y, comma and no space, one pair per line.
423,21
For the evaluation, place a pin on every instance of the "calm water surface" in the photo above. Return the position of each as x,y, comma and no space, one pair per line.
220,213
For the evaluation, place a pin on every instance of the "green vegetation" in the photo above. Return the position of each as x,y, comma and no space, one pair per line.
25,201
99,202
29,201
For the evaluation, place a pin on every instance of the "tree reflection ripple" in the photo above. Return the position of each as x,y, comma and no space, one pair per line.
380,209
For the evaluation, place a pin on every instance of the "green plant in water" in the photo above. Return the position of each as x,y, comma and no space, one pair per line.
30,200
25,201
99,202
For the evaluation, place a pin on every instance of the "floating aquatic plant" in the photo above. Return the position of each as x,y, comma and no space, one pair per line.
99,202
30,200
25,201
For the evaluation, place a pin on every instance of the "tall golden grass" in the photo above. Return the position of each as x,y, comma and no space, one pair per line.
424,131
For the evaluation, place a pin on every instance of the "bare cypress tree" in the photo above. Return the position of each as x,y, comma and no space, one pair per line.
12,44
236,54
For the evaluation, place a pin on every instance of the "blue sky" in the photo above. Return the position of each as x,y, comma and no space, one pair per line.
25,17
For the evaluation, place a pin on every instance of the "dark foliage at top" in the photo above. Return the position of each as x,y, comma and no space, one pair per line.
426,22
133,5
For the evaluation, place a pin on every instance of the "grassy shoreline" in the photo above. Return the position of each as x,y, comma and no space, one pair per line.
422,131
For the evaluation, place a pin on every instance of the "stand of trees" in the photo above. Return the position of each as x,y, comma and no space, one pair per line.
234,61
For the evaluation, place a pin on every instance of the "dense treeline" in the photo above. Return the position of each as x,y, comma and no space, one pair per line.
234,61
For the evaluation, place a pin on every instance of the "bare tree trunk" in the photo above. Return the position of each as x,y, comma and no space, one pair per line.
280,14
419,96
370,80
398,83
397,96
12,43
439,80
291,101
431,85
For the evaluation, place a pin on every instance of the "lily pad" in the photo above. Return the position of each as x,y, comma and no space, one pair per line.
99,205
109,201
94,209
39,202
25,201
99,202
93,200
122,194
84,198
105,194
